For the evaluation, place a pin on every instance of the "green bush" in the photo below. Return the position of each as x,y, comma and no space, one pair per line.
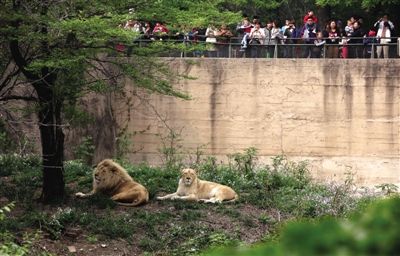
154,179
8,246
284,185
373,232
11,164
24,174
85,150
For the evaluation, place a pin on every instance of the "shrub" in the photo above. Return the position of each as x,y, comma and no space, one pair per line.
14,164
8,246
85,150
373,232
24,176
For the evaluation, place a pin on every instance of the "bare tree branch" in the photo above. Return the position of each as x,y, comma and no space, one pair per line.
18,97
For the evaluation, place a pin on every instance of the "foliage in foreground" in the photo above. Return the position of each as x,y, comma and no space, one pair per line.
373,232
8,245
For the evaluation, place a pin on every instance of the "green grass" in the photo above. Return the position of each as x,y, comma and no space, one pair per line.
175,227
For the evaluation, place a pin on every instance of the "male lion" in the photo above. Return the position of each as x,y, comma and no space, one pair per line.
191,188
112,179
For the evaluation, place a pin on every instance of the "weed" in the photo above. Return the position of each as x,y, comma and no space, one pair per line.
172,150
149,244
92,238
204,239
11,164
6,209
123,144
388,188
220,239
76,170
198,155
248,221
265,219
233,213
100,201
8,246
245,162
152,178
191,215
113,226
24,177
12,141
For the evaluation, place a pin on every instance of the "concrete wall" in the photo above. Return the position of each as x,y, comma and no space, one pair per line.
341,115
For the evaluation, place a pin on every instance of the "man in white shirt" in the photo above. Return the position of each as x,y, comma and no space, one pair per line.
384,26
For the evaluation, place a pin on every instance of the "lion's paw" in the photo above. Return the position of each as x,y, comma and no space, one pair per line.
80,195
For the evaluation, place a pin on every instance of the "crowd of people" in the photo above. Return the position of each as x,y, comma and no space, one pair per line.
257,39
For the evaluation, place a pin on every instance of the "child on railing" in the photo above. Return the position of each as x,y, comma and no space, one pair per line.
319,48
370,42
245,27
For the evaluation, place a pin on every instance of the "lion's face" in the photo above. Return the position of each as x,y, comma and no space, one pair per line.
99,173
188,176
105,173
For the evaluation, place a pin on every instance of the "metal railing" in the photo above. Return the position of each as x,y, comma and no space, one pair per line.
355,47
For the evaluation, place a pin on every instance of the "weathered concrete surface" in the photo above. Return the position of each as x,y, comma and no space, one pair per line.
342,115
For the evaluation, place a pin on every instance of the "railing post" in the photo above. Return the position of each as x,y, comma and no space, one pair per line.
398,46
276,50
230,49
372,50
182,52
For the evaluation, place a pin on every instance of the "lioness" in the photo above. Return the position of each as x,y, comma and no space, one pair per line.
191,188
112,179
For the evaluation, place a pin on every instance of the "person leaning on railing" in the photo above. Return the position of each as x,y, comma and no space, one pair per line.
160,31
370,41
318,49
290,35
223,39
271,32
356,41
333,34
257,37
309,33
211,40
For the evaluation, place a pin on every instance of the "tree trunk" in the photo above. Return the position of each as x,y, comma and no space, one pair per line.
51,134
52,139
324,15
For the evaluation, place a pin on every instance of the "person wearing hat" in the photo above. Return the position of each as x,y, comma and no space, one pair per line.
369,41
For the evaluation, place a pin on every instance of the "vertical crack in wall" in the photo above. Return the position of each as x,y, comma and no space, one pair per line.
349,107
370,77
216,73
390,91
330,72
